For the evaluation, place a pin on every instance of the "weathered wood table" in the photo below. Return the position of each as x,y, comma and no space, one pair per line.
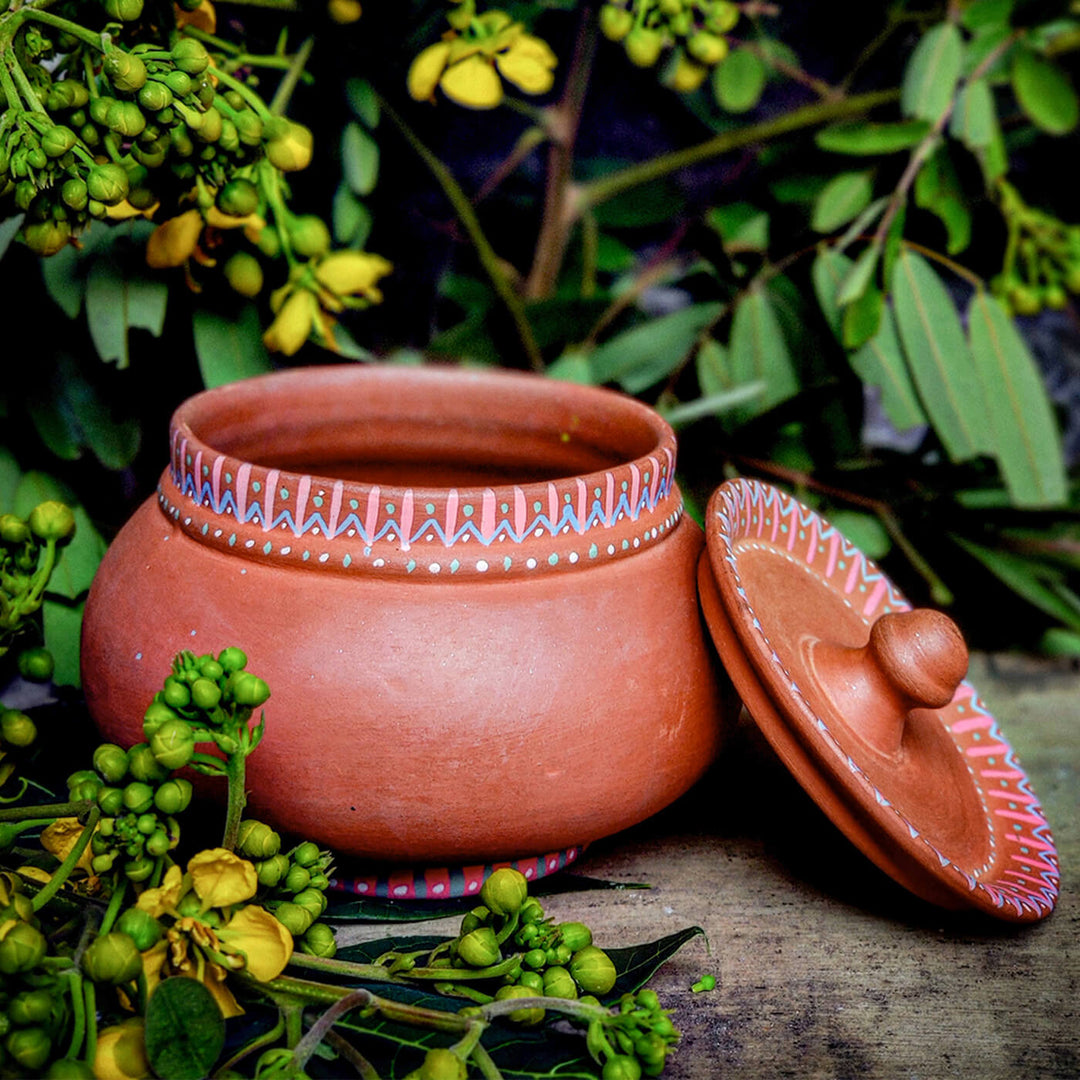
824,967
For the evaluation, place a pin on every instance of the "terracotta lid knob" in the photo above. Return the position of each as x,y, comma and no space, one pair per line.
913,660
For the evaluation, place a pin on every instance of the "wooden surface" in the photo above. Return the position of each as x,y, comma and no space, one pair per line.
824,967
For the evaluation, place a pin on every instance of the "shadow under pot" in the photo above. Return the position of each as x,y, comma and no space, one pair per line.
473,595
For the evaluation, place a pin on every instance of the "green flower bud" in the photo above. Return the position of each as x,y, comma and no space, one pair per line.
532,911
156,714
111,762
479,948
155,96
256,840
205,693
58,140
111,800
248,690
143,765
621,1067
558,982
211,128
67,94
296,879
107,183
441,1064
593,970
505,891
643,46
707,48
124,70
13,530
238,198
535,958
21,949
290,147
311,900
125,118
478,916
306,854
112,958
124,10
271,871
30,1007
190,56
173,796
574,935
52,520
249,127
615,22
173,744
244,273
722,17
309,236
141,927
29,1047
294,918
46,237
650,1049
527,1017
533,980
16,728
139,869
232,659
36,665
138,797
20,906
68,1069
158,843
87,787
74,193
319,940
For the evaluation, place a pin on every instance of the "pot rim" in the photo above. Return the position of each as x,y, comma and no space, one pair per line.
625,500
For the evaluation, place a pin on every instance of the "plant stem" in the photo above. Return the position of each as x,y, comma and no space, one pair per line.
47,810
235,773
594,192
293,73
486,253
63,871
563,122
375,972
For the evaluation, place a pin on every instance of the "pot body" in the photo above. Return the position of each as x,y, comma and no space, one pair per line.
472,594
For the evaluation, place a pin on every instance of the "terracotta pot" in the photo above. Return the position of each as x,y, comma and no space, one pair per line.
472,594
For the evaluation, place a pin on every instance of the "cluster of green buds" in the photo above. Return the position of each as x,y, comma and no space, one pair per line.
689,34
206,699
292,884
93,129
29,549
634,1040
139,799
35,1012
1042,257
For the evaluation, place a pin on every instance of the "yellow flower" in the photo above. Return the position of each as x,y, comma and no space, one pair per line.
260,939
59,837
121,1052
344,11
352,273
293,323
173,242
221,878
468,66
164,898
204,17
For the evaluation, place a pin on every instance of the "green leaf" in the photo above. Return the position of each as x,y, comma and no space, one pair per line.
991,43
363,101
932,73
56,427
641,356
981,13
9,227
758,353
1042,587
79,559
938,190
185,1031
739,81
10,474
864,137
113,441
1028,445
359,159
64,280
860,277
115,302
572,366
865,531
351,218
828,271
844,197
62,627
713,370
974,120
940,360
880,362
862,317
742,226
229,347
1044,92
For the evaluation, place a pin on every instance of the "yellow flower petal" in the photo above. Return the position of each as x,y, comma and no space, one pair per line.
528,64
121,1052
204,17
426,70
221,878
173,242
293,323
124,210
352,272
263,942
61,836
165,897
472,83
226,221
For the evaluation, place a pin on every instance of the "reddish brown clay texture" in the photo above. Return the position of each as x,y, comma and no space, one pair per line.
472,594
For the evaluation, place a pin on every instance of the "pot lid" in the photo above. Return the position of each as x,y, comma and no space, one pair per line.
865,701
